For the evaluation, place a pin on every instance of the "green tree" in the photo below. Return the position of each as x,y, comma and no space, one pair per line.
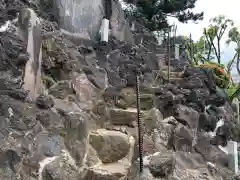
234,37
200,51
153,13
215,32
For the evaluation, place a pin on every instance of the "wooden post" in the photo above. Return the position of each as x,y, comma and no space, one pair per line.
232,156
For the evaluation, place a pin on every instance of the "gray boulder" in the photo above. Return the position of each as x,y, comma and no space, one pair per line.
162,165
110,146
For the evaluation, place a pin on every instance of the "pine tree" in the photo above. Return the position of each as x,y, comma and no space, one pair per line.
153,13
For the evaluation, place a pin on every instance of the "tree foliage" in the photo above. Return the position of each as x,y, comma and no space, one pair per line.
215,32
153,13
234,37
208,47
199,51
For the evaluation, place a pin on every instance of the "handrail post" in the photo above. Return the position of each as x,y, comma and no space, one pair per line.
140,125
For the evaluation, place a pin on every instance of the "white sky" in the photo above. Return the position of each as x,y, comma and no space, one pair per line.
212,8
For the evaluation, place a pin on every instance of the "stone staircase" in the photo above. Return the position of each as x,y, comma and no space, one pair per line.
127,99
162,57
175,75
115,145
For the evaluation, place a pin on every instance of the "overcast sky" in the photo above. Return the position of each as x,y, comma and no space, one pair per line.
212,8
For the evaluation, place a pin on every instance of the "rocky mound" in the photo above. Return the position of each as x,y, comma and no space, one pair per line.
68,107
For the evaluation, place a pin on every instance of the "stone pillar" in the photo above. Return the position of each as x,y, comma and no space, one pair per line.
235,103
232,156
31,31
133,26
177,51
104,30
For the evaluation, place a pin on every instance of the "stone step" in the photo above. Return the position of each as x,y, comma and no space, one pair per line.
165,73
172,74
111,171
161,50
160,56
126,117
172,68
160,88
176,80
159,46
127,100
175,77
165,68
159,74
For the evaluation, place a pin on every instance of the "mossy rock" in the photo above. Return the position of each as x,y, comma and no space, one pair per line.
121,103
146,101
48,81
